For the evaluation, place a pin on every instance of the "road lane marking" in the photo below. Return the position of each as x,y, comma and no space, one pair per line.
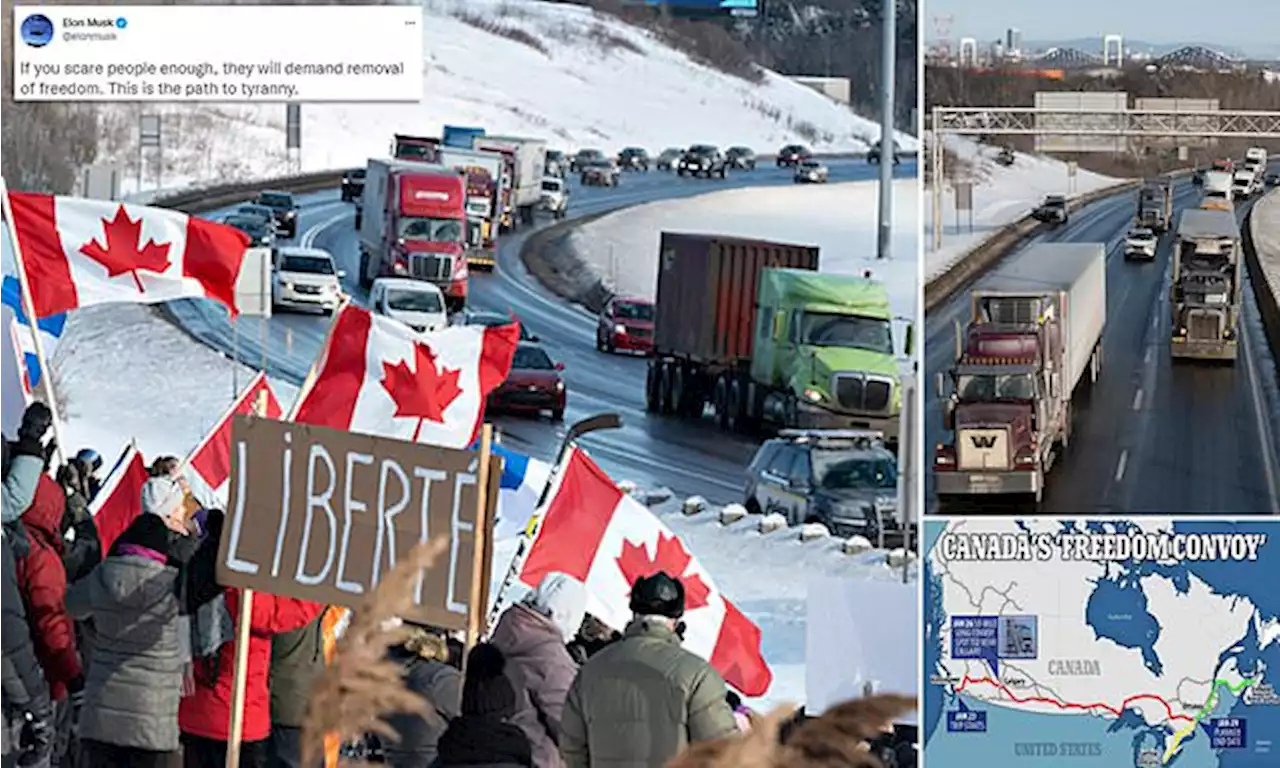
1137,400
1124,461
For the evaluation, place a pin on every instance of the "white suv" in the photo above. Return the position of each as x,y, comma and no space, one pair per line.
305,278
1141,243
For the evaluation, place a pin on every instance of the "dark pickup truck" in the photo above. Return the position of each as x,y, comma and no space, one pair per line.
284,208
352,184
1052,211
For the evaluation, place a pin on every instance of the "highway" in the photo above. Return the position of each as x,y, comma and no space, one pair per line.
652,451
1152,437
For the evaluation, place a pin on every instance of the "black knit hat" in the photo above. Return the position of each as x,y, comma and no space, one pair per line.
486,691
658,595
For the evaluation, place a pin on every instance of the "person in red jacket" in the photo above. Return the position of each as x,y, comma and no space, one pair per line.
42,579
204,716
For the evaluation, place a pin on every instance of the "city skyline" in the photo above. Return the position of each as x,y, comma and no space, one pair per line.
1248,26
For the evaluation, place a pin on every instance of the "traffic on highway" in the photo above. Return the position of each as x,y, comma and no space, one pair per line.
471,261
1114,361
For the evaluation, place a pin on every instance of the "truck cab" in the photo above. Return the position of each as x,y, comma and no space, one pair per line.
415,225
423,149
1205,287
824,343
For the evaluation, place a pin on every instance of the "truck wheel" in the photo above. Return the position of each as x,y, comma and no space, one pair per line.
557,415
366,282
737,407
720,402
791,413
359,218
667,389
652,388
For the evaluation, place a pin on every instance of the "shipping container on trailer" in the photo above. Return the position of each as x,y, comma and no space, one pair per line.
707,286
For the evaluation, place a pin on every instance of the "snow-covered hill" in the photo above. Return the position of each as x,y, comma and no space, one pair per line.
560,72
1001,196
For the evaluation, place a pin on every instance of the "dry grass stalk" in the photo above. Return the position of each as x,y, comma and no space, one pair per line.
362,685
838,739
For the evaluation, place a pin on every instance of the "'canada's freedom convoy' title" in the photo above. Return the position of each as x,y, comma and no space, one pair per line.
1137,545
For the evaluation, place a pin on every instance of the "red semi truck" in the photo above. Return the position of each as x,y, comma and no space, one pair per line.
413,223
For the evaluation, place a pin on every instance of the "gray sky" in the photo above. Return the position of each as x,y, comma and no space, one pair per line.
1237,23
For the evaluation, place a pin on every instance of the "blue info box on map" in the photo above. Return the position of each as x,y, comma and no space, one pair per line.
1227,733
974,637
967,721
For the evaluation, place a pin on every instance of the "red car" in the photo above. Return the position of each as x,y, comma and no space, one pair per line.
627,324
533,386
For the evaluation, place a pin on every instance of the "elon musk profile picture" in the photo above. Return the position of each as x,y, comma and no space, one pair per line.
37,30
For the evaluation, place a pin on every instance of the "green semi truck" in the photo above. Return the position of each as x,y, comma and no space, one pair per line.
751,328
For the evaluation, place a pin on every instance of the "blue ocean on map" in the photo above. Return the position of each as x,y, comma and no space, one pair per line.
1119,613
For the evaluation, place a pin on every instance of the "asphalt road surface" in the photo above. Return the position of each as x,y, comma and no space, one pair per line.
653,451
1153,436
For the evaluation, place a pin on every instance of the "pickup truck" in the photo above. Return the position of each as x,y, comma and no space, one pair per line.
1052,211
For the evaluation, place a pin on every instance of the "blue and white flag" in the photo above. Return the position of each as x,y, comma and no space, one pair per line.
50,328
522,481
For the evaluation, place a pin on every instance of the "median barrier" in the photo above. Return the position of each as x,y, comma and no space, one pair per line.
984,255
202,199
1261,236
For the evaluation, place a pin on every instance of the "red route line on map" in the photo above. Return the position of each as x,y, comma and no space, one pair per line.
1068,705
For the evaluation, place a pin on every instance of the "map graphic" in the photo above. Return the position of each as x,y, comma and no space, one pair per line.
1149,642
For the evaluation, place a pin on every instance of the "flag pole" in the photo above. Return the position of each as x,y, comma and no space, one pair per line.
530,532
28,308
481,534
318,363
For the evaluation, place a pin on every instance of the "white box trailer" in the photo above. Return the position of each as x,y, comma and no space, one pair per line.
1069,279
526,172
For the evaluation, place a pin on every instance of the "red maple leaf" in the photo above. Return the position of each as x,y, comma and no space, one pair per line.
670,558
422,394
122,252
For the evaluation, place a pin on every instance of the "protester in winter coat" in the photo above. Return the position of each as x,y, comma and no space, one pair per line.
83,548
43,582
532,635
427,672
640,701
89,463
141,651
204,716
483,735
25,702
297,659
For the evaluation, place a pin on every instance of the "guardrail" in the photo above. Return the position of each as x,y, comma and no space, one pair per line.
200,199
1266,282
984,255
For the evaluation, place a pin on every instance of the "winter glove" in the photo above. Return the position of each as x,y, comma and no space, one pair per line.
50,449
37,737
35,422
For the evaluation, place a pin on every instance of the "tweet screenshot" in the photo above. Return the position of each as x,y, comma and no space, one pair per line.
475,342
217,53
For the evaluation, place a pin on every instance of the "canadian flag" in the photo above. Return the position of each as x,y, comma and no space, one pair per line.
596,533
79,252
377,376
119,501
211,459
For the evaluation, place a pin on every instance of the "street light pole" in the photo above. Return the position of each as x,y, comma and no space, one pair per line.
888,147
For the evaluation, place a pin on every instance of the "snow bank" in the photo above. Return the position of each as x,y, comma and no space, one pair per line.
1001,196
838,218
122,373
592,80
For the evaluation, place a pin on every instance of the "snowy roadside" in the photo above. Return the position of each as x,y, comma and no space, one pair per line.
1001,196
560,72
838,218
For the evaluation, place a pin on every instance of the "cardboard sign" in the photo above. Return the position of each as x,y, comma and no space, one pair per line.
320,514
